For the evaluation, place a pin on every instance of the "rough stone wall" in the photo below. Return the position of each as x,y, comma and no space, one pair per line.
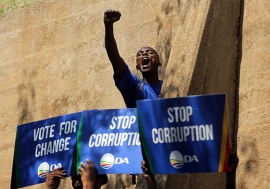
53,62
254,97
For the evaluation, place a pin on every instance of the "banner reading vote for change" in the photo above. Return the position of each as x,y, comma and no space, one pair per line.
44,145
185,135
110,139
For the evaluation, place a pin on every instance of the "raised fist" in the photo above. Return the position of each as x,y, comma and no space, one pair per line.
111,16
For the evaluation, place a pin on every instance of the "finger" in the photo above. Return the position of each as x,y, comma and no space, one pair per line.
59,172
59,168
63,173
62,176
111,10
116,14
144,168
56,176
90,163
113,14
83,165
80,169
56,170
80,172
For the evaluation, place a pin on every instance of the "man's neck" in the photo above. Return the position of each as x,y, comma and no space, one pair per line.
151,78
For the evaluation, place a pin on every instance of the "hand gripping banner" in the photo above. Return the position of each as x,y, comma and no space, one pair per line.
185,135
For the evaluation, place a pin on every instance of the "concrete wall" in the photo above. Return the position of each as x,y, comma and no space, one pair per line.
254,97
205,61
53,62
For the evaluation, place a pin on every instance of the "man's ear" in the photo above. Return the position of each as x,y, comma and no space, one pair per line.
137,67
159,64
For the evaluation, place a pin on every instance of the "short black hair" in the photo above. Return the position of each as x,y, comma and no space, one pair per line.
152,49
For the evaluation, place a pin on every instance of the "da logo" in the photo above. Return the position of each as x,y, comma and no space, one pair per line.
107,161
43,169
176,159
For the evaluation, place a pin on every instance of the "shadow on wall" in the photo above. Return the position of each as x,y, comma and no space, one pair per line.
25,105
164,39
177,12
170,9
216,70
251,152
26,102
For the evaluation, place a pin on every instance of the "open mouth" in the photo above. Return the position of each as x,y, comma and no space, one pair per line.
145,62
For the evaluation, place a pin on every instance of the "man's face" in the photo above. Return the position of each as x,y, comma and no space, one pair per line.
147,60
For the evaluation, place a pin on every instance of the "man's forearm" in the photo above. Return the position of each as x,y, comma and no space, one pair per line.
110,43
117,62
151,182
89,185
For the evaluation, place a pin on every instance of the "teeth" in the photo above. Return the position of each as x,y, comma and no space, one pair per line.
145,61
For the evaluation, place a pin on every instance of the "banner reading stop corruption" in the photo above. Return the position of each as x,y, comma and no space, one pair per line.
42,146
111,140
185,135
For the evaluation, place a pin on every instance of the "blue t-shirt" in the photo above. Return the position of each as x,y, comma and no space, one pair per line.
133,89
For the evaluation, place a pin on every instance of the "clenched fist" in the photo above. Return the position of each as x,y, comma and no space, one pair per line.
111,16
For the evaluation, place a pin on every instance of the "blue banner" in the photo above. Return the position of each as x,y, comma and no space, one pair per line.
110,139
178,135
185,135
44,145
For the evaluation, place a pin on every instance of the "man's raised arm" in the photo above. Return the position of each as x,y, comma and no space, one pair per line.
119,66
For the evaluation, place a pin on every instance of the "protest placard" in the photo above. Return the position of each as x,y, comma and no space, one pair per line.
110,139
185,135
42,146
175,135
